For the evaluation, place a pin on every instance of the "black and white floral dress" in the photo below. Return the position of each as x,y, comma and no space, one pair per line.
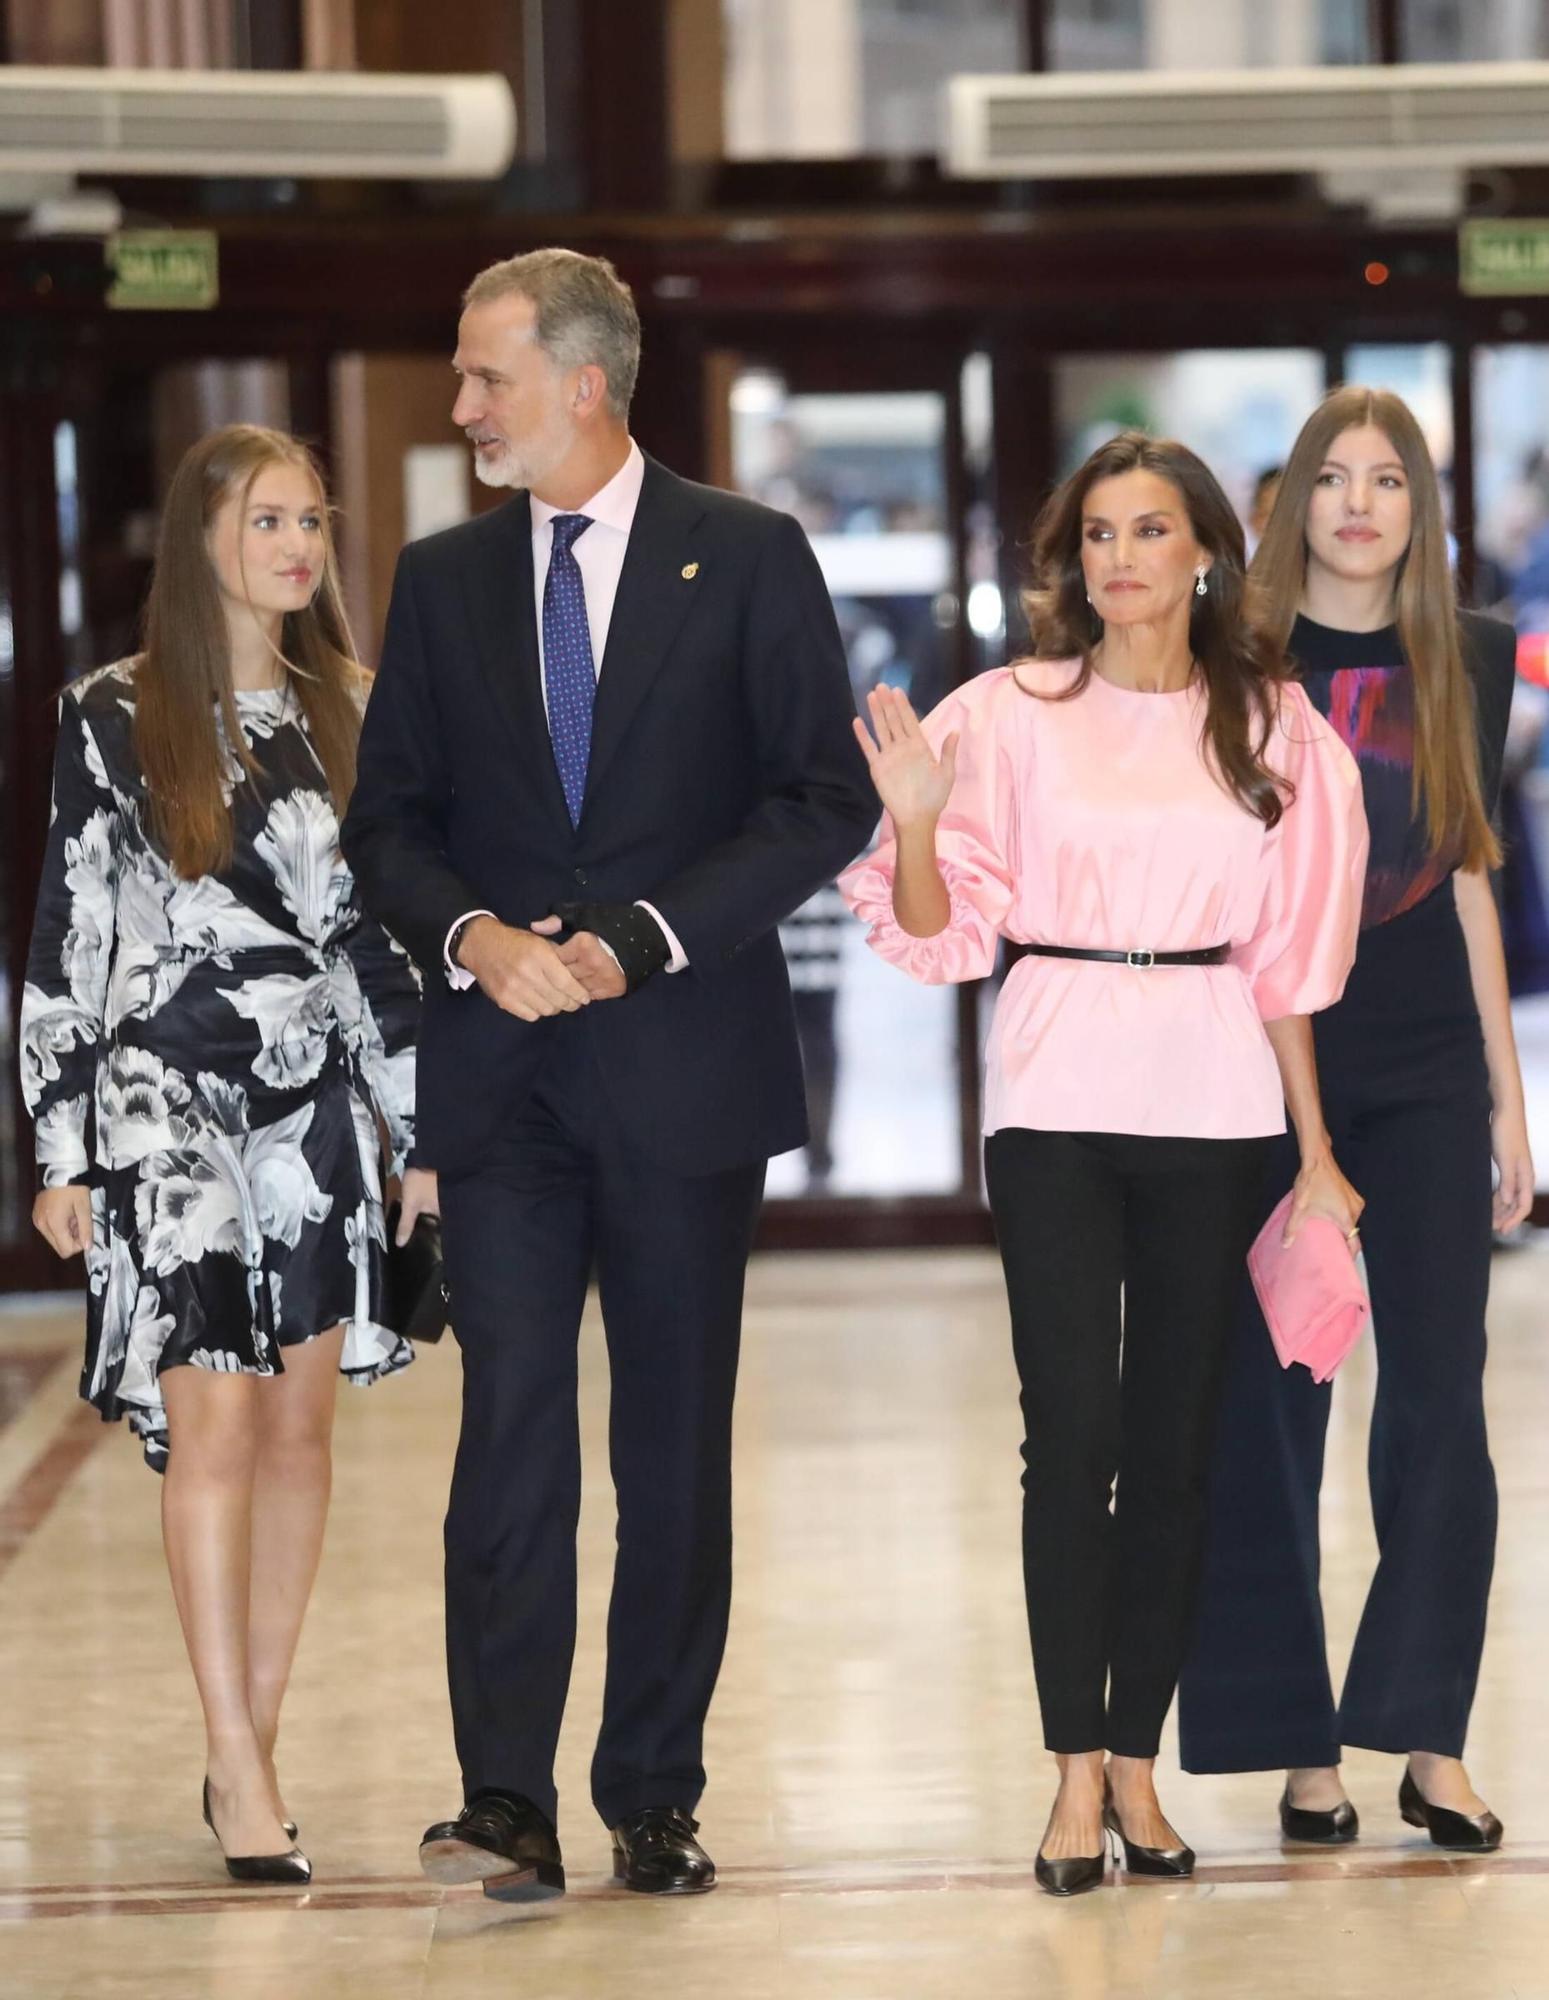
209,1057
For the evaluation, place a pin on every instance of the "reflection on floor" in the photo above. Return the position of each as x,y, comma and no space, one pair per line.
877,1786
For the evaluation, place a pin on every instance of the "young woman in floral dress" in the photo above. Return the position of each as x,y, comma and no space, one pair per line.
212,1038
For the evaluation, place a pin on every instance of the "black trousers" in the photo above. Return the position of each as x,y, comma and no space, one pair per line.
561,1196
1117,1391
1407,1102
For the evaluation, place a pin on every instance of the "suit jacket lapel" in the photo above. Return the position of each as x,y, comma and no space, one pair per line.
502,606
654,597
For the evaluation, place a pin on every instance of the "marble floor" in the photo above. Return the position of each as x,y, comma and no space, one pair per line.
877,1784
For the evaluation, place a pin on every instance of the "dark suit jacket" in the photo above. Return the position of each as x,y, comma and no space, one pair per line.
724,787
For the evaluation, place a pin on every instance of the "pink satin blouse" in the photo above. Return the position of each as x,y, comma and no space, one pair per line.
1096,822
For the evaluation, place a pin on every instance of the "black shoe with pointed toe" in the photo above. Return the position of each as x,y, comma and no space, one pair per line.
290,1826
291,1869
655,1854
1460,1833
1305,1827
1072,1875
1175,1863
502,1841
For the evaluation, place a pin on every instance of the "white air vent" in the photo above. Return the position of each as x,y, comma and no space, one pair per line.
262,122
1430,117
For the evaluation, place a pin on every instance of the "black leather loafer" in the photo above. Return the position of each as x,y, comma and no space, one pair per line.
656,1854
505,1843
1308,1828
1071,1876
1462,1833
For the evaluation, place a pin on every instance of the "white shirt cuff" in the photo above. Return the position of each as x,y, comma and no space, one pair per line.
678,962
459,976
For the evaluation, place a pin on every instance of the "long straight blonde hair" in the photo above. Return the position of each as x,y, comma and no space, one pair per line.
1446,768
184,675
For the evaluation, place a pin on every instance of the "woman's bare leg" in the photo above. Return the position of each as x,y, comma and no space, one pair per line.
1132,1781
206,1523
1076,1822
291,1484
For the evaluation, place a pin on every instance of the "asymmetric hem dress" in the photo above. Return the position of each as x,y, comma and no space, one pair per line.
211,1058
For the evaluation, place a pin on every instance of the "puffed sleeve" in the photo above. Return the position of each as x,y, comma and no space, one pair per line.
1314,871
975,845
65,995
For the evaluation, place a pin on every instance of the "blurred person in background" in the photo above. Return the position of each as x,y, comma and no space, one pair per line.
210,1032
1421,1086
1265,487
1176,838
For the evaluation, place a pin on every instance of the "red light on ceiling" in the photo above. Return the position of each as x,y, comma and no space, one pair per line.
1377,274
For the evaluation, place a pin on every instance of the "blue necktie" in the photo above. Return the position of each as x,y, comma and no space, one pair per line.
570,682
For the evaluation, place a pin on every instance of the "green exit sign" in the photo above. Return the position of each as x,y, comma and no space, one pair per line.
1499,259
164,270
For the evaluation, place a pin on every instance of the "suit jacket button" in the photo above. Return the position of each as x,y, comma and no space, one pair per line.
580,876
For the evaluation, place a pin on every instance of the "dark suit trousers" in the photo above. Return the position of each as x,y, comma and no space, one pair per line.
559,1196
1117,1392
1407,1103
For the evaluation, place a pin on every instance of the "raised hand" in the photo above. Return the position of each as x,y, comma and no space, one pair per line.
912,782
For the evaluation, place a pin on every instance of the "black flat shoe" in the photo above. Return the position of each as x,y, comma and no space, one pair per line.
293,1868
289,1825
1073,1875
1463,1833
1335,1828
1176,1863
499,1840
655,1854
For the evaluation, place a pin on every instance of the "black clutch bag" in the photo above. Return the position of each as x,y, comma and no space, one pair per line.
415,1300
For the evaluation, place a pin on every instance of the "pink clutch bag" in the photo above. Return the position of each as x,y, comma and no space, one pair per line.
1314,1295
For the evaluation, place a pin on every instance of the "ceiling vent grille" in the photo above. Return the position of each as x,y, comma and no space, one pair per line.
1444,116
290,125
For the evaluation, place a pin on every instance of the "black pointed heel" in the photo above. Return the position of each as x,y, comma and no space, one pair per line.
1462,1833
289,1826
1073,1875
1306,1828
1174,1863
293,1868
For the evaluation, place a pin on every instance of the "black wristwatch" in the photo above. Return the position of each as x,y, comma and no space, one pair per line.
454,943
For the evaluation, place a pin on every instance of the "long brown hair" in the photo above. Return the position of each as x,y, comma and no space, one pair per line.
1240,664
1446,773
184,674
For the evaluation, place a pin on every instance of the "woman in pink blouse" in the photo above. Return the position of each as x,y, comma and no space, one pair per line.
1176,839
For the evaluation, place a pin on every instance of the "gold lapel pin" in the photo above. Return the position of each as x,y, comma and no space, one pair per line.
690,571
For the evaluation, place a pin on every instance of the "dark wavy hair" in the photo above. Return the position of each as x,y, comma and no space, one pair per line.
1241,662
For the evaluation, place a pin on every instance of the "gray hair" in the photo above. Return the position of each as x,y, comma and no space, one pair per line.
584,313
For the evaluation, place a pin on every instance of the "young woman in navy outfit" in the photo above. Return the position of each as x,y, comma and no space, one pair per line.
1421,1087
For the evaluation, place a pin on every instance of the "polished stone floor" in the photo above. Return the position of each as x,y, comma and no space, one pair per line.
877,1784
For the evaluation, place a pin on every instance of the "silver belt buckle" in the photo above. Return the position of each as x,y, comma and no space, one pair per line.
1144,959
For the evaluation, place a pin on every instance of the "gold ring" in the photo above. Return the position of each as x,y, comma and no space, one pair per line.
1352,1234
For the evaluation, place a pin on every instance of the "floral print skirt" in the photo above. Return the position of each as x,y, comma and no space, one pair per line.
223,1250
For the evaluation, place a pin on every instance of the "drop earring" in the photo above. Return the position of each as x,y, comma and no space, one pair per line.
1199,583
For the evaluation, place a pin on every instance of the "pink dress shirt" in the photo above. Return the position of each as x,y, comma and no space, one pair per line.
1095,822
599,555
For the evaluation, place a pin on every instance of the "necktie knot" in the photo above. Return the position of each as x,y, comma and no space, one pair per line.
568,528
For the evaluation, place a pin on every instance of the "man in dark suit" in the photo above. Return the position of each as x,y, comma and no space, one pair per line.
608,750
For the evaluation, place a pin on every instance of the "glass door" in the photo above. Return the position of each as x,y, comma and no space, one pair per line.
873,469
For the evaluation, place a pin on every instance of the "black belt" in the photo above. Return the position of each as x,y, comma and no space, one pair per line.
1213,954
